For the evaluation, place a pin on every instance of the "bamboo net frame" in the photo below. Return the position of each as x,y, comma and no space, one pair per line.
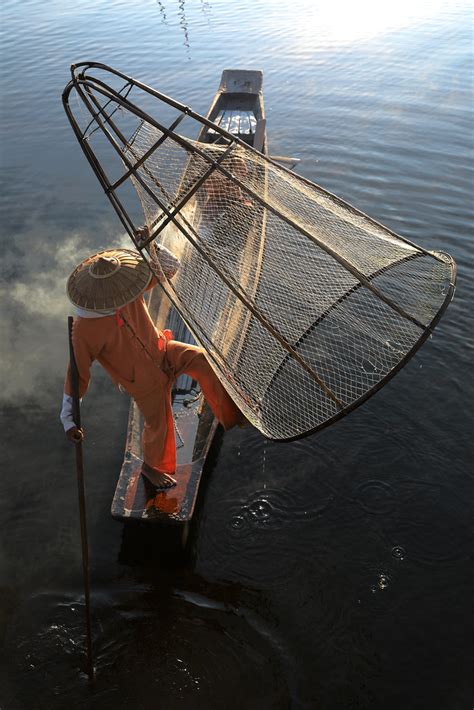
304,305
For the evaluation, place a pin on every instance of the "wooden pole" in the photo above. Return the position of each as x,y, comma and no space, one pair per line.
81,498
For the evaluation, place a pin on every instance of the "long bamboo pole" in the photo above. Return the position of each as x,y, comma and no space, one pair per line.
81,498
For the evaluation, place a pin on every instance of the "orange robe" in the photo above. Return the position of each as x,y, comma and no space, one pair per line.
139,358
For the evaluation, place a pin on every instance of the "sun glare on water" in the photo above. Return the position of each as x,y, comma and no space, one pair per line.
345,21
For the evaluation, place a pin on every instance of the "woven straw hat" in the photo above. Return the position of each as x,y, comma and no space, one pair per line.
108,280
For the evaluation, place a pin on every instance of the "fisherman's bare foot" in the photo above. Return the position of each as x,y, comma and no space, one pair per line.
159,480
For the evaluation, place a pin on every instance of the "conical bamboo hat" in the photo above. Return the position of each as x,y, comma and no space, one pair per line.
108,280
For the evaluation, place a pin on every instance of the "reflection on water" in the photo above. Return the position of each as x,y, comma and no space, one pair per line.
184,26
162,11
333,571
183,21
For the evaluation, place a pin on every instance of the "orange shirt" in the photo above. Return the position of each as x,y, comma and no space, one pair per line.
132,359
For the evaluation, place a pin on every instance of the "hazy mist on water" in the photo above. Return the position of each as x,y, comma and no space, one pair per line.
329,573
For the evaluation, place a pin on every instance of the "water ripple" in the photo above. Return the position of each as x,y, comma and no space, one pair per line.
376,497
185,652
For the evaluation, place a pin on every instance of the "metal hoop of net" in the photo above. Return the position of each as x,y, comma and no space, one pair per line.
304,305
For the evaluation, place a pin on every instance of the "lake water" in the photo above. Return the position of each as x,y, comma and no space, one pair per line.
331,573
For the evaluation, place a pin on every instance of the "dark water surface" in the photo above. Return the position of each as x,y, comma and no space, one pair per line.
331,573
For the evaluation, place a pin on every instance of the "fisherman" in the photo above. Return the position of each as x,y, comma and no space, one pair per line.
114,327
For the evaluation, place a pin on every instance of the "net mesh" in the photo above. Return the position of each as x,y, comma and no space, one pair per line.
304,305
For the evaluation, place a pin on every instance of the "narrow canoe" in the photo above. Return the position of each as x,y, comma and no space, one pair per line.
238,108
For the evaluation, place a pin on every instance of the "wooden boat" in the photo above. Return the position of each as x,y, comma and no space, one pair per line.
238,108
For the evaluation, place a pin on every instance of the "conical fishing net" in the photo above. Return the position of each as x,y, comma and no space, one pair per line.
304,305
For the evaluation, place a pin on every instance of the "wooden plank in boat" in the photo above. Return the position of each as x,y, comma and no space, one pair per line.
259,138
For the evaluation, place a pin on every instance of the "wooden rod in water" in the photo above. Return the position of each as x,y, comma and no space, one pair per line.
82,498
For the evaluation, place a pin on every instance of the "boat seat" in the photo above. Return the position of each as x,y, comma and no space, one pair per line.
240,123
